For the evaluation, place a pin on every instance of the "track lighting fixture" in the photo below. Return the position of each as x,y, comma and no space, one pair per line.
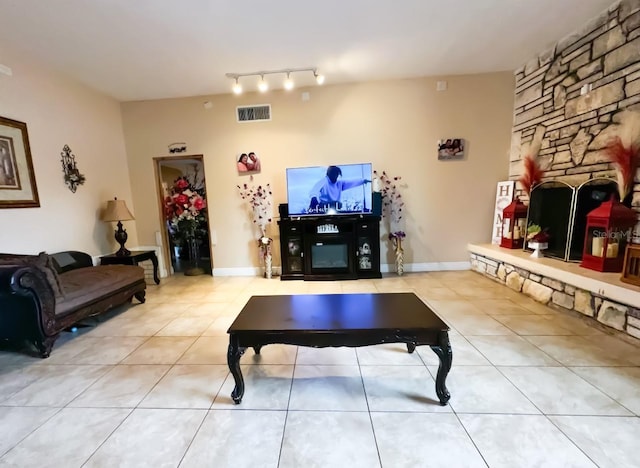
263,85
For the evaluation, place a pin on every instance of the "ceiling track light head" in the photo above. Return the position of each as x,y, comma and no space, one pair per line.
288,83
237,87
263,86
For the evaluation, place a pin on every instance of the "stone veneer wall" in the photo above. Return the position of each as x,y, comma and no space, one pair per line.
560,295
575,128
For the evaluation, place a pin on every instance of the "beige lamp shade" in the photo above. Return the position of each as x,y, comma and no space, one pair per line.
117,211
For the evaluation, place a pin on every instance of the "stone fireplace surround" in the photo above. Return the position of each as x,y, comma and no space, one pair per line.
574,128
561,285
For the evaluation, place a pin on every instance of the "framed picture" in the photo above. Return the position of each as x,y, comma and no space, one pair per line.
247,163
450,148
17,180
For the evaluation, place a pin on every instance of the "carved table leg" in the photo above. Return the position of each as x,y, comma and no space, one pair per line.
233,359
256,349
154,261
411,347
443,350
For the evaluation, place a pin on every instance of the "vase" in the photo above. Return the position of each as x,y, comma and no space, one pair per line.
268,260
397,245
194,256
399,261
268,271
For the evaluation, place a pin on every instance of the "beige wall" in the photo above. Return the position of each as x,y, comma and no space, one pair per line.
58,112
393,124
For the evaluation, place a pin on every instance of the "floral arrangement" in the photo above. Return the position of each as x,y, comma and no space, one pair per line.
624,151
260,203
392,203
184,207
533,173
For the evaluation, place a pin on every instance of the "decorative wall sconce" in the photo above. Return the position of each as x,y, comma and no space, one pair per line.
263,86
72,176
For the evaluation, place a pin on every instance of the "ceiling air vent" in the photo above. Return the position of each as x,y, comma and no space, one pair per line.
257,113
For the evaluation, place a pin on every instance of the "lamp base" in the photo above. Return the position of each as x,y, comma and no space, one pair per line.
121,237
122,252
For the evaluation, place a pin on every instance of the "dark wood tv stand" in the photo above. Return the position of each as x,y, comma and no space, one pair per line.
330,247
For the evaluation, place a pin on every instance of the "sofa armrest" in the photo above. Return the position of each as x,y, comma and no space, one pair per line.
27,301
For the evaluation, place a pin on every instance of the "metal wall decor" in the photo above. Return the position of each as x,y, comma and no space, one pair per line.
72,176
177,147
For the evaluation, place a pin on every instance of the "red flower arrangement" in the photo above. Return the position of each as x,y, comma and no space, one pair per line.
624,151
184,207
532,173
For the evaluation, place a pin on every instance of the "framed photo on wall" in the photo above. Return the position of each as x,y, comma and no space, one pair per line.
17,179
248,163
451,148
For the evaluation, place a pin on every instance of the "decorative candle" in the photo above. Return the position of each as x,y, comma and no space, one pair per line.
597,246
516,232
612,250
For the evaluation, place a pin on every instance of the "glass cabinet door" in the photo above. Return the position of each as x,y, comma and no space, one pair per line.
294,255
365,253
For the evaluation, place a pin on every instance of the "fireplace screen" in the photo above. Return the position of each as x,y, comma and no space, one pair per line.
562,210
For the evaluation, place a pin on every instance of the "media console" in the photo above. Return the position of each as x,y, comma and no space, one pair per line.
330,247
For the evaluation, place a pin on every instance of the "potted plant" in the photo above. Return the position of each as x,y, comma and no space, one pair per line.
184,209
537,239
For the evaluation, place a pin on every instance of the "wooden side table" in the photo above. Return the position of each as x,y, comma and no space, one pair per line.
133,259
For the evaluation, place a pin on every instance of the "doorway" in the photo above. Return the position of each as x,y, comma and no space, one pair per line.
189,251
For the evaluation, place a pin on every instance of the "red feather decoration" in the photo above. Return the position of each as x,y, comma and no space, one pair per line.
626,160
532,173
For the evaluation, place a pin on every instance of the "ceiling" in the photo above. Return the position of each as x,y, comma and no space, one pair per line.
150,49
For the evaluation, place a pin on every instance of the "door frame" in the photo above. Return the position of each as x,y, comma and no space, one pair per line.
160,196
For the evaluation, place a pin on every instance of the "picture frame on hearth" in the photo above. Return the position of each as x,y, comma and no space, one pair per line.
17,179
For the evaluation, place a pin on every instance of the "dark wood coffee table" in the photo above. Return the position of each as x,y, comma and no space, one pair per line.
338,320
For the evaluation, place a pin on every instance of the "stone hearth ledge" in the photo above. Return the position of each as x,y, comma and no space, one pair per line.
562,285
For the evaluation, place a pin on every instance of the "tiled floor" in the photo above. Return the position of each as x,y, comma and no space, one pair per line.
148,385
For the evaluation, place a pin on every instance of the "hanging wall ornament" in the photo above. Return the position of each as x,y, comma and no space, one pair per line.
72,176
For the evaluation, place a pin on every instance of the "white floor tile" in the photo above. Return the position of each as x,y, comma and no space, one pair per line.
336,439
522,441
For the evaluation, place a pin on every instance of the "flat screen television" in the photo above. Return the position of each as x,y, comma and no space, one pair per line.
329,190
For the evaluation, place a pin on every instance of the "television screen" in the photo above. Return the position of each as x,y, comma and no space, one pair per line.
326,190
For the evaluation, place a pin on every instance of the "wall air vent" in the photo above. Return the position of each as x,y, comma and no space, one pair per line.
258,113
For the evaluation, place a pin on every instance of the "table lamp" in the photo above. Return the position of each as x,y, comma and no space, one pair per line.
117,211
